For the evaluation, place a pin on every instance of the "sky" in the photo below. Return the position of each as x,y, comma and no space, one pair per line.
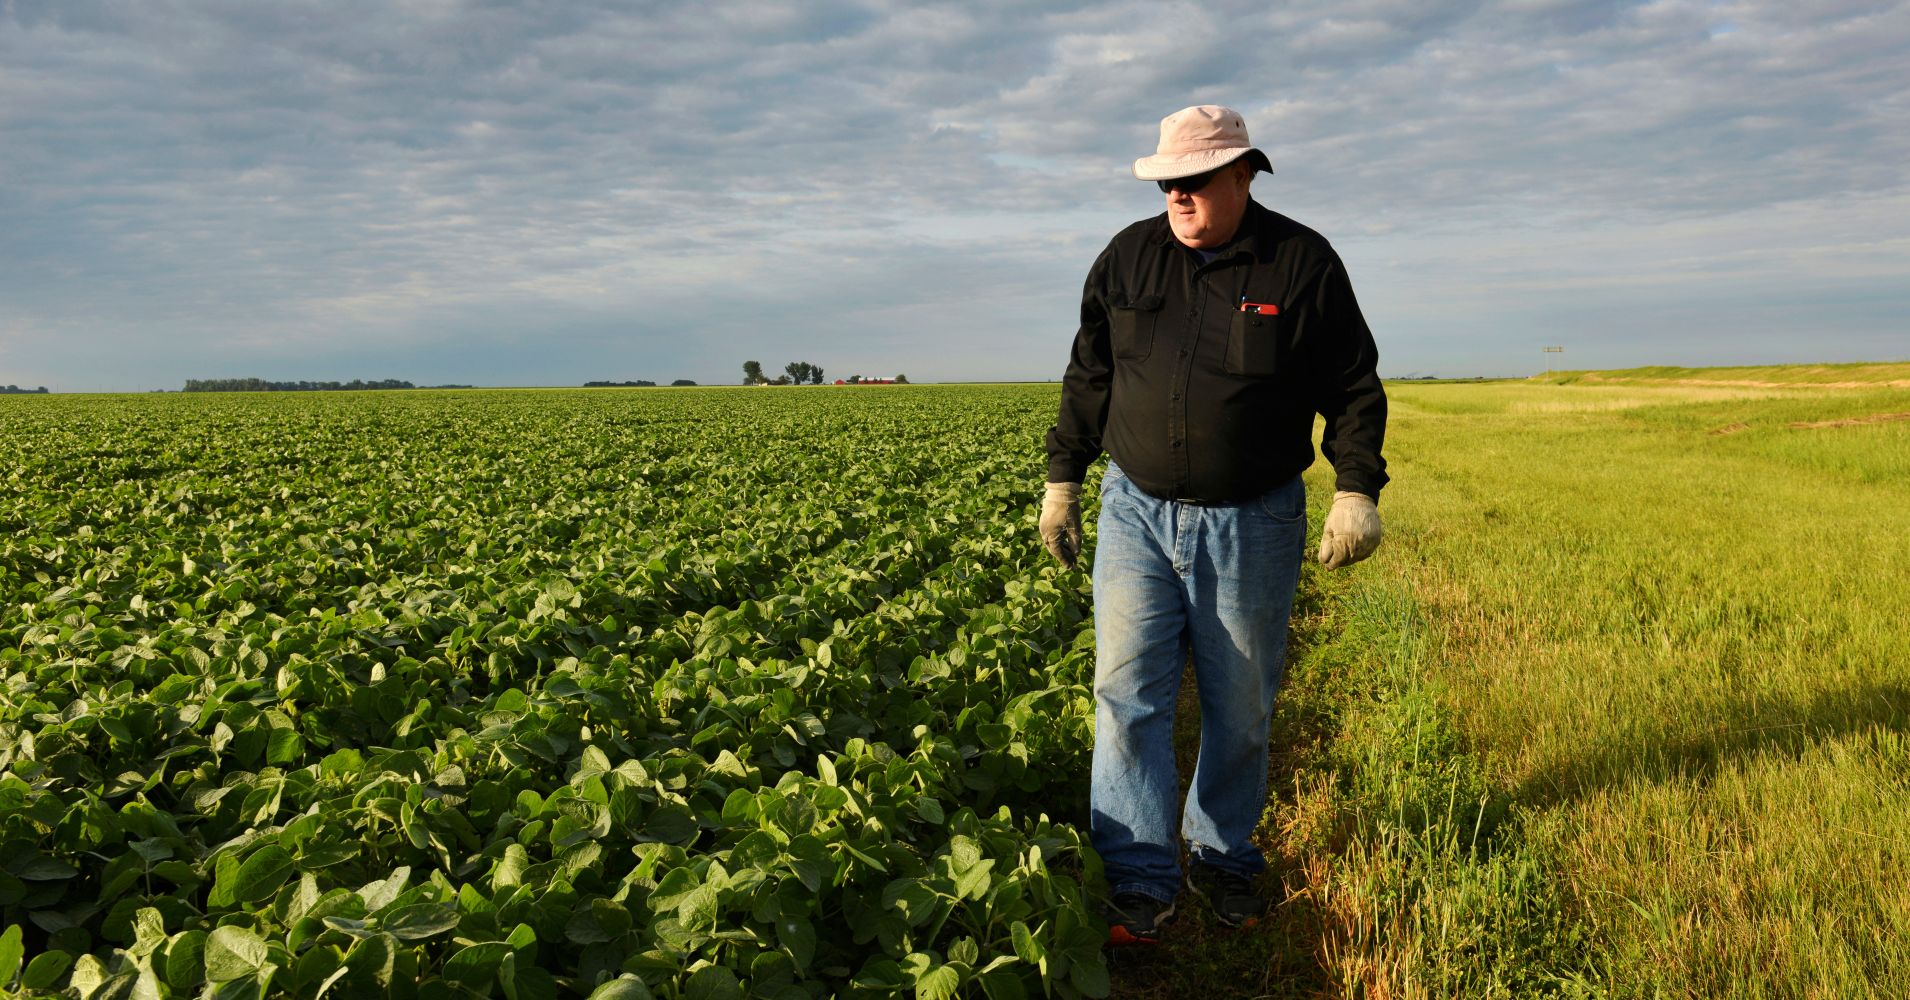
544,193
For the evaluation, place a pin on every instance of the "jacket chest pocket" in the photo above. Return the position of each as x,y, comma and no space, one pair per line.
1253,344
1131,327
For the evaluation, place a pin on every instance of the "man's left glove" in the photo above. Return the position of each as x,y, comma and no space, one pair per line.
1061,521
1352,530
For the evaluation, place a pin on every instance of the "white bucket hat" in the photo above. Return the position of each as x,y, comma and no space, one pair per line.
1198,139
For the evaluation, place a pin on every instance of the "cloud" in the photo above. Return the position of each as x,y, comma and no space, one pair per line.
515,191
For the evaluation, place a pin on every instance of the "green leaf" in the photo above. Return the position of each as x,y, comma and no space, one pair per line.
939,983
798,937
809,859
11,951
913,899
973,883
327,855
713,982
963,853
593,761
1089,974
353,927
316,967
611,916
262,874
700,907
670,824
256,987
420,921
378,895
510,868
864,858
46,969
225,882
523,942
880,973
185,961
525,982
232,953
374,957
476,965
626,988
149,931
676,884
284,747
1002,985
37,867
302,899
582,928
1027,945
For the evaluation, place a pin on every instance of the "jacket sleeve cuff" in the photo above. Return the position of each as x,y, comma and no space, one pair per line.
1350,482
1062,469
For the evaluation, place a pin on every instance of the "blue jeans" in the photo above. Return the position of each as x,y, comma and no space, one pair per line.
1170,578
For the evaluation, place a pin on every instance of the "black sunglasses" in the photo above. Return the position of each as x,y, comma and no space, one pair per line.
1189,185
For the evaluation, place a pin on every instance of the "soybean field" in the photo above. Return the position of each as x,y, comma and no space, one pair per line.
710,694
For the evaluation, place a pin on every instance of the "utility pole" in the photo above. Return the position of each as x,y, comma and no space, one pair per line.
1548,361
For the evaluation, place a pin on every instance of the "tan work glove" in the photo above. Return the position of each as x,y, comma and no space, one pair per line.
1061,521
1352,530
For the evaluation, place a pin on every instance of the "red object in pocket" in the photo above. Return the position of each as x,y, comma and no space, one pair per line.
1262,308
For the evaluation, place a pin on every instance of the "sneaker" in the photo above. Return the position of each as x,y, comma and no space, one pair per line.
1137,918
1228,894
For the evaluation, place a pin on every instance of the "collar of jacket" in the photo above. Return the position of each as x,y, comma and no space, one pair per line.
1250,237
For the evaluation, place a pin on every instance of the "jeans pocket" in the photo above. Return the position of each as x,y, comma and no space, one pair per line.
1112,482
1285,503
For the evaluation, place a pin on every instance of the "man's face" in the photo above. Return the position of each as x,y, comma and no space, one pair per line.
1207,218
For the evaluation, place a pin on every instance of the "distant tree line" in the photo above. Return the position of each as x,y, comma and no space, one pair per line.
261,385
794,373
14,390
640,383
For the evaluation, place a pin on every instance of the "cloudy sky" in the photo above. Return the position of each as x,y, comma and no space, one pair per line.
544,193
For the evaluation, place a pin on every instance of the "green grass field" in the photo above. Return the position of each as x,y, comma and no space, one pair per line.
624,681
1667,626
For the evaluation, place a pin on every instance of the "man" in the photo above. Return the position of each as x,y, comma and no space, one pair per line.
1209,338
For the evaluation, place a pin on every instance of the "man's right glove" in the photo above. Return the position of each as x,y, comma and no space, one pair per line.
1061,521
1352,530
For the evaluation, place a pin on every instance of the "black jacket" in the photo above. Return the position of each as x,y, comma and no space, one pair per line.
1197,397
